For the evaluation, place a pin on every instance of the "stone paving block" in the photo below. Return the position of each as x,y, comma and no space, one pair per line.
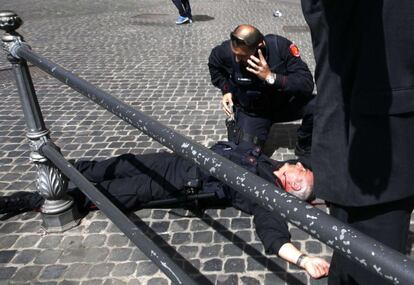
157,281
298,234
94,240
50,241
298,278
146,268
6,255
160,227
47,256
10,227
69,282
198,225
71,242
210,251
53,272
245,280
100,269
134,282
114,282
124,269
159,214
232,250
313,247
117,240
77,271
25,256
241,223
234,265
215,264
6,242
227,280
188,251
243,236
180,238
203,237
26,273
27,241
119,254
137,255
92,282
276,264
179,226
7,272
273,278
30,227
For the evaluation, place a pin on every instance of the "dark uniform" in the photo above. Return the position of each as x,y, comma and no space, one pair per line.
131,181
363,154
258,104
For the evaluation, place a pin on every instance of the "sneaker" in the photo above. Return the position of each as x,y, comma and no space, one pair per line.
181,20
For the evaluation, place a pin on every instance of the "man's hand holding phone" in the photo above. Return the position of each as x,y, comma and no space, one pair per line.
258,65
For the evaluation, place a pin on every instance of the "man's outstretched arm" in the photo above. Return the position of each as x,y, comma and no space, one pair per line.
316,267
274,234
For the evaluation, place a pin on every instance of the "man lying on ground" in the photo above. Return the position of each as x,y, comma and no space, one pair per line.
130,181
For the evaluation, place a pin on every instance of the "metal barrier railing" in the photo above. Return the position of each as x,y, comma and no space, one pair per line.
364,250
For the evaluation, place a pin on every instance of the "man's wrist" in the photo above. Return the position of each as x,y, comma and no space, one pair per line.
271,78
300,260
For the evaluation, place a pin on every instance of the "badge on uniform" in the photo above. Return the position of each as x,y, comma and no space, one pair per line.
294,50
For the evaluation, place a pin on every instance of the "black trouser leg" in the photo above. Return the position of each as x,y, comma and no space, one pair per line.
387,223
180,8
187,8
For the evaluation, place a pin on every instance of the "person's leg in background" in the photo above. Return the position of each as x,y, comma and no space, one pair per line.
182,7
187,8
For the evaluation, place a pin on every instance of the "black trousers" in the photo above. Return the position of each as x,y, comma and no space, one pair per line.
184,8
255,127
131,180
388,223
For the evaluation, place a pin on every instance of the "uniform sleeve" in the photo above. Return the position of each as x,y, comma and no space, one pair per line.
271,229
219,69
298,78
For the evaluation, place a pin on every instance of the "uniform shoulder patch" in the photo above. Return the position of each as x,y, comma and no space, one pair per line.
294,50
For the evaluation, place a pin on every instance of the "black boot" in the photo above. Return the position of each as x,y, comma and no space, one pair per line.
20,202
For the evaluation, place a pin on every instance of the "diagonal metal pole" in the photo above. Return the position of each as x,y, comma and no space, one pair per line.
367,252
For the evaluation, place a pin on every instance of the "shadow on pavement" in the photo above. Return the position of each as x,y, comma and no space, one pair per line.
202,18
266,262
181,261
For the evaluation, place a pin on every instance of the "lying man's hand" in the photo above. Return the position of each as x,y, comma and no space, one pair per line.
227,102
316,267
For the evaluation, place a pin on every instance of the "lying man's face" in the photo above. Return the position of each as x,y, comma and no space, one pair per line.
296,179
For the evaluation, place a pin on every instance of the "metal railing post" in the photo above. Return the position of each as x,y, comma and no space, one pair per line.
58,213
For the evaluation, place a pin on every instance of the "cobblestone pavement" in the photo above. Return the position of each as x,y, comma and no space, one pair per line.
133,50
